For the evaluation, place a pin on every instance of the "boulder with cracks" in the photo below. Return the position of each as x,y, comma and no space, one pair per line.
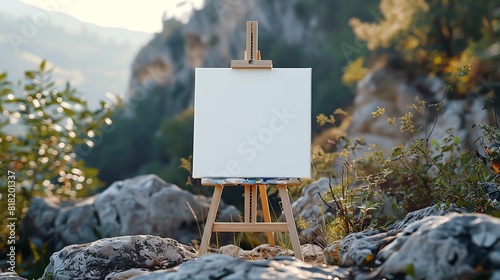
141,205
110,255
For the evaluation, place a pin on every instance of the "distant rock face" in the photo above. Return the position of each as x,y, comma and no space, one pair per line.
98,259
394,89
211,38
141,205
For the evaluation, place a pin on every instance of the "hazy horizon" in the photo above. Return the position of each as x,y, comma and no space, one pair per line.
92,57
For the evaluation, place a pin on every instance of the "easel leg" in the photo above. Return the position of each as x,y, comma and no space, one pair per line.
250,204
253,204
266,213
212,213
292,229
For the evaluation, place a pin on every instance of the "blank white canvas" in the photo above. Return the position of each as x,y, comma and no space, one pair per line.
252,123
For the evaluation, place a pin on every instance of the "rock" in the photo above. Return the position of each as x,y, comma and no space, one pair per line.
141,205
385,88
434,210
107,256
58,222
455,246
213,36
492,190
451,246
361,247
311,253
392,85
10,276
148,205
215,266
127,274
356,248
309,209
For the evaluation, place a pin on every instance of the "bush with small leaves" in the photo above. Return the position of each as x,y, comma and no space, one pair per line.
41,127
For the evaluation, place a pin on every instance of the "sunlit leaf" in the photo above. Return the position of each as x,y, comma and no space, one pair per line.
42,66
30,74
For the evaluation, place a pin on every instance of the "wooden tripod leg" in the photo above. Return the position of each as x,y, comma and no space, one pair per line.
266,213
292,229
253,203
212,213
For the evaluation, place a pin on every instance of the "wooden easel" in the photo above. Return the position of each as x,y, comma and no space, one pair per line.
252,60
250,223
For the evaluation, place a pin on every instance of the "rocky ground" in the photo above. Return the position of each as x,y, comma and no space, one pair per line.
432,243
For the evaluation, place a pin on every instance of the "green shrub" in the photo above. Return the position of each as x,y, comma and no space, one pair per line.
41,127
421,173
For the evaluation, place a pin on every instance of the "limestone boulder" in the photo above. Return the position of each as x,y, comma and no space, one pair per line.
434,210
390,85
313,254
148,205
59,223
109,256
451,246
309,209
141,205
456,246
361,248
216,266
10,276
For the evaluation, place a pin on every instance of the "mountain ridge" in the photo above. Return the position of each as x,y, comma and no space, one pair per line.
18,9
94,59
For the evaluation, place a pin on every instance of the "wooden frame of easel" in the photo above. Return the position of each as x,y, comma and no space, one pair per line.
252,60
250,223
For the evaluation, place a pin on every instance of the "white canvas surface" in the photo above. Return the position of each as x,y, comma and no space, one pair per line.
252,123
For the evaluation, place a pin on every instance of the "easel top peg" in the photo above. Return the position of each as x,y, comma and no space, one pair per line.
252,57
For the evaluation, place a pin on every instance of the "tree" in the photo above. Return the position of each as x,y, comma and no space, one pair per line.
438,36
41,127
121,153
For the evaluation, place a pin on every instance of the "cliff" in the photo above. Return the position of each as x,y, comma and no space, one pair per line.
213,36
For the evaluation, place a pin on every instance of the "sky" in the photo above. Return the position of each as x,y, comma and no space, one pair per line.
138,15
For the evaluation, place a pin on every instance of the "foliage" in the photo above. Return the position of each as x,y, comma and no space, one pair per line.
444,38
396,17
177,135
133,141
452,40
41,127
354,72
48,125
424,172
427,171
438,36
